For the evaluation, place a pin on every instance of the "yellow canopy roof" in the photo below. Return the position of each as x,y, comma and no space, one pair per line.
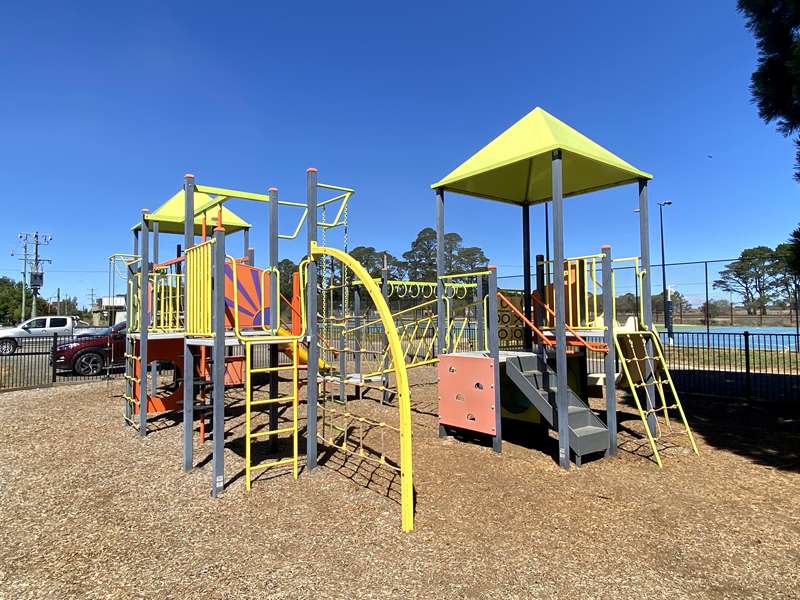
515,167
169,216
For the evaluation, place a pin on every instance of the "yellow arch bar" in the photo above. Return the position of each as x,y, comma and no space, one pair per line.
398,358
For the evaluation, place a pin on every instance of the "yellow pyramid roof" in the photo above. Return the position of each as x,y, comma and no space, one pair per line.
169,216
515,167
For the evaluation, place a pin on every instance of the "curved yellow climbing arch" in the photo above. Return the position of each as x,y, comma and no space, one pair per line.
401,376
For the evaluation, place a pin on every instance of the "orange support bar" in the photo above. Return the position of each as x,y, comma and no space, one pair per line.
545,340
578,341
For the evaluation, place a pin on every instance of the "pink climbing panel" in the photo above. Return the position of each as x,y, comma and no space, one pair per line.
466,392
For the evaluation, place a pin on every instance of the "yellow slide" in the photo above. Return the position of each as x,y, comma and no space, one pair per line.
302,353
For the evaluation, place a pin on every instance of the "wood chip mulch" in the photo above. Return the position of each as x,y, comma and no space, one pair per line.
90,509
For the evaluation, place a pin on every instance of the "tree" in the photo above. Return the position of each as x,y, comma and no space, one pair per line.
420,260
372,260
784,277
752,277
792,256
716,308
775,84
627,304
286,268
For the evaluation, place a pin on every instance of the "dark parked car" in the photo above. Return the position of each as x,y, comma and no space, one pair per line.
90,355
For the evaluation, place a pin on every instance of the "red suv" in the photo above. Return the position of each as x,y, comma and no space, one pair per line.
89,355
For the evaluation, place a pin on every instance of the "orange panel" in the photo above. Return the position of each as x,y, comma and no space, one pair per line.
466,392
168,350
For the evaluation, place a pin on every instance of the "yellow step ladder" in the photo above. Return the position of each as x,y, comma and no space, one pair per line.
645,371
264,434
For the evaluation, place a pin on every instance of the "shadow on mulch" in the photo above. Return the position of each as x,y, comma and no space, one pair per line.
766,432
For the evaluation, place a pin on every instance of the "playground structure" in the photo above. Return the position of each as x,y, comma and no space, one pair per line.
541,159
223,321
218,319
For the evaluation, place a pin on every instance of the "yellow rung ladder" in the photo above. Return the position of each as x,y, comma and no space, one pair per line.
657,376
291,399
131,381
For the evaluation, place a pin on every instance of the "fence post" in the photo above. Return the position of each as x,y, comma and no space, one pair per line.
747,387
53,356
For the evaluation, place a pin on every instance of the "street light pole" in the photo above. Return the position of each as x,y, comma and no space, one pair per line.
665,291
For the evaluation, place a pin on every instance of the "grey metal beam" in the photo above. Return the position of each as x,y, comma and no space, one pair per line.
358,332
218,366
188,405
494,352
538,313
385,339
562,397
144,323
479,315
274,312
440,317
647,316
246,243
188,211
154,366
188,359
609,361
311,319
527,334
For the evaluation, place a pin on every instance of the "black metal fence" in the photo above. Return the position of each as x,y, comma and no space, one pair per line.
43,361
747,365
735,365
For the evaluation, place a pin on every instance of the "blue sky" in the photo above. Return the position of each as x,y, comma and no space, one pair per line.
105,106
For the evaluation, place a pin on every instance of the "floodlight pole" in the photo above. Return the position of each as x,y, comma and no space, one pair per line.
664,290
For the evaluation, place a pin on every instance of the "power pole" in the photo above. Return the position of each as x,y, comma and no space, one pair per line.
36,280
91,298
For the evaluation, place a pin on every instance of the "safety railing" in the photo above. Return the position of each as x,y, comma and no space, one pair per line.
167,298
220,195
583,290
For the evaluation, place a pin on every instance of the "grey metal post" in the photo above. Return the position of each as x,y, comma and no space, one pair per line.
440,316
246,244
188,359
154,366
274,312
562,401
707,311
479,316
155,241
609,363
342,366
218,358
538,315
311,319
144,323
527,333
385,340
494,352
358,332
647,316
